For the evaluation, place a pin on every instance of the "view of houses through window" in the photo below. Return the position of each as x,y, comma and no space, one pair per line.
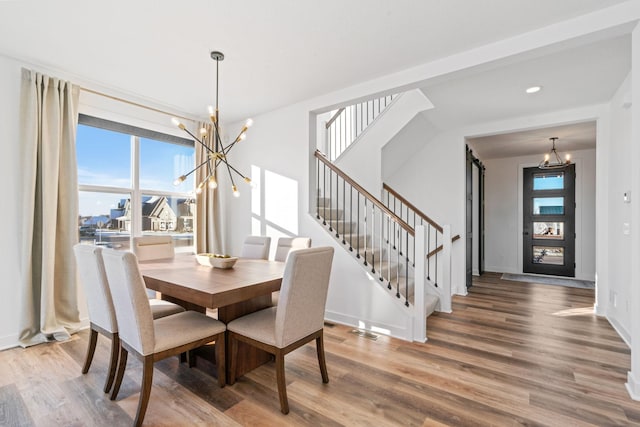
125,177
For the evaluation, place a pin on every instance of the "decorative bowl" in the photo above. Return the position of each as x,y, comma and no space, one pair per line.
216,260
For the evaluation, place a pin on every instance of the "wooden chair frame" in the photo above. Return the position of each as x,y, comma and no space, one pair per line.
279,354
149,360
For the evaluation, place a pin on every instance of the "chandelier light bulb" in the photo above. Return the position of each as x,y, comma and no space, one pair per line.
213,184
567,158
177,122
546,158
236,193
203,131
211,110
248,123
179,180
242,137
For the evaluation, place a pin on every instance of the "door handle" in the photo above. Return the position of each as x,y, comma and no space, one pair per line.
526,233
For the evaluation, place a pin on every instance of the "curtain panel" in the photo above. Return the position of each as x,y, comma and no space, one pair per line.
48,121
208,228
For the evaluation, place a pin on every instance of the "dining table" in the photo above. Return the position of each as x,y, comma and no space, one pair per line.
245,288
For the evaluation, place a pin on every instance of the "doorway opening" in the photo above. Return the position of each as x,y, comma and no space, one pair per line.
474,217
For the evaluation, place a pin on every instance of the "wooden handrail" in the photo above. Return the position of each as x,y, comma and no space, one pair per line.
416,210
439,248
334,117
320,156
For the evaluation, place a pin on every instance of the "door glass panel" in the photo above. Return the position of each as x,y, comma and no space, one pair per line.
548,230
548,205
545,181
548,255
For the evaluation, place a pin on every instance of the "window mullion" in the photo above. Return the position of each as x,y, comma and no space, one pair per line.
136,198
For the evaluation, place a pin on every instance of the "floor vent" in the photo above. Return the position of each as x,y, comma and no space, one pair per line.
365,334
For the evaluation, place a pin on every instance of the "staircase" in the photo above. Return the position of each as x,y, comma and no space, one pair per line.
403,258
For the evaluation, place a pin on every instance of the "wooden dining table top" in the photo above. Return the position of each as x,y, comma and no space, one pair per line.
184,278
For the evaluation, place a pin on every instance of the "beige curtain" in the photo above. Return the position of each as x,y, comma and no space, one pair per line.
208,229
48,120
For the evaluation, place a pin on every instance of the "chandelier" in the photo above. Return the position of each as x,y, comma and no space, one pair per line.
552,160
218,154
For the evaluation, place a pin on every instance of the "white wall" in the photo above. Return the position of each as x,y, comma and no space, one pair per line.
368,148
619,213
11,242
433,179
503,213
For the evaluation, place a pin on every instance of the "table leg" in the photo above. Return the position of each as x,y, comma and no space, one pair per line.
249,357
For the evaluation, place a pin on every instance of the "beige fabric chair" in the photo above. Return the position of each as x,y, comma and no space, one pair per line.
298,318
102,315
151,340
149,248
256,247
287,244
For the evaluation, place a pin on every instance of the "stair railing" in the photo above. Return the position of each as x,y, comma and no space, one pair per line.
366,227
347,124
436,245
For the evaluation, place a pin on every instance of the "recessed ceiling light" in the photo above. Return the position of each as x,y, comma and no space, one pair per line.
533,89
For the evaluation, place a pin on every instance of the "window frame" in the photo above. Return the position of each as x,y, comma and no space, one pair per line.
135,192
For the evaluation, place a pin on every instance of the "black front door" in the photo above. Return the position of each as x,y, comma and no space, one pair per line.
549,221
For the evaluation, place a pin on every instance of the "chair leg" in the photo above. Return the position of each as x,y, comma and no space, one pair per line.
233,364
122,363
321,359
93,339
113,362
145,392
220,360
282,385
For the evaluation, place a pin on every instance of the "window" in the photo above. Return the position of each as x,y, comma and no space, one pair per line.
125,178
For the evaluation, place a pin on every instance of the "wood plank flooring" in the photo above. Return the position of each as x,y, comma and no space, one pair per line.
511,353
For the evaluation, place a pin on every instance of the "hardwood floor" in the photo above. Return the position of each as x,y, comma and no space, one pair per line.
511,353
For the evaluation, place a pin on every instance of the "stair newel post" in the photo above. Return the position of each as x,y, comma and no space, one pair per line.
351,218
399,253
365,231
445,284
406,276
373,239
344,208
419,303
394,223
358,227
389,251
330,197
381,243
324,193
317,188
429,251
337,217
435,262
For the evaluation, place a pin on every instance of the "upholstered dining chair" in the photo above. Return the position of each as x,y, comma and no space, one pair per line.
149,248
150,340
102,316
256,247
297,319
287,244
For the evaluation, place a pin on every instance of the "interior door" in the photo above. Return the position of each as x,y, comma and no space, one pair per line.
469,219
549,221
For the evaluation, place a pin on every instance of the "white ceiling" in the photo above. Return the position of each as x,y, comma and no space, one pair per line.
571,138
282,51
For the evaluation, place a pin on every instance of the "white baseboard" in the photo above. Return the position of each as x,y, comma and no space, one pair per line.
621,330
403,332
633,386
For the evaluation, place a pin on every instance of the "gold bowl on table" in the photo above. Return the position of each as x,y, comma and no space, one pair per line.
216,260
